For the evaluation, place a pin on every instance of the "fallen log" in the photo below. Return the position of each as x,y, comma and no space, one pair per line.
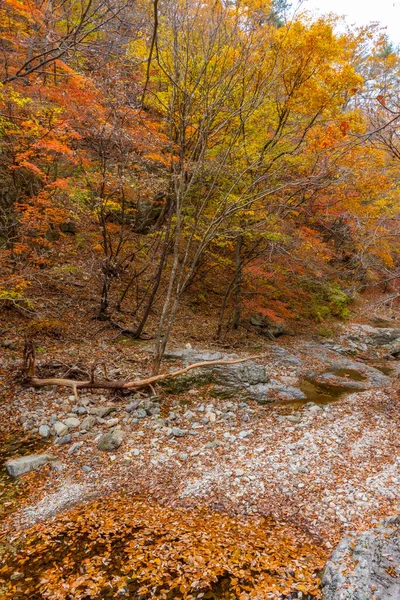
135,384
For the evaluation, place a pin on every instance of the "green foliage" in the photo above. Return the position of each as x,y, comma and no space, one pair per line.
327,301
10,298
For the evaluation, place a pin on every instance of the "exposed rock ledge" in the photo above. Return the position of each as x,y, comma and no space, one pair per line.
367,566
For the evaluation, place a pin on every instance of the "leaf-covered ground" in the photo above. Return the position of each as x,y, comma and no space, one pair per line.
124,546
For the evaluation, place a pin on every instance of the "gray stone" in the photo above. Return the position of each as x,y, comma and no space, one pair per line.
140,413
101,411
245,433
75,447
65,439
366,566
230,380
293,418
132,406
88,423
56,465
44,431
72,422
25,464
86,468
267,327
177,432
213,444
79,410
112,422
111,440
60,428
393,349
189,414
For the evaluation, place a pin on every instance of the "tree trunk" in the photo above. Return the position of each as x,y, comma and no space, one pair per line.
238,283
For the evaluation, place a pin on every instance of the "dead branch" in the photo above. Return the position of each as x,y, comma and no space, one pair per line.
136,384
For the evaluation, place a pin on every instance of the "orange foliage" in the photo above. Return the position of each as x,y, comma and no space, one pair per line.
138,548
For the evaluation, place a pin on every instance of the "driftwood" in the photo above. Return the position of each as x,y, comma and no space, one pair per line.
136,384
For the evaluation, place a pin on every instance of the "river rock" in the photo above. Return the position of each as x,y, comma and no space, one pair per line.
64,439
140,413
44,431
101,411
366,566
177,432
25,464
111,440
60,428
88,423
112,422
72,422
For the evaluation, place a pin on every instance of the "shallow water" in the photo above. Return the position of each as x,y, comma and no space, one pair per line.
351,374
325,393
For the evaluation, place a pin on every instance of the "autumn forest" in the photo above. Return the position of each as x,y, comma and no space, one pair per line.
186,182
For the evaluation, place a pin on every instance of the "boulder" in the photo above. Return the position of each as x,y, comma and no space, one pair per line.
365,566
267,327
245,379
393,349
25,464
111,440
348,374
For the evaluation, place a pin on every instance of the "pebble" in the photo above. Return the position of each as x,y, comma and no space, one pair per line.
60,428
75,446
86,468
88,423
72,422
189,414
213,444
177,432
44,431
65,439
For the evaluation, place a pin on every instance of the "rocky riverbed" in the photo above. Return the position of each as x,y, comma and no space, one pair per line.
307,433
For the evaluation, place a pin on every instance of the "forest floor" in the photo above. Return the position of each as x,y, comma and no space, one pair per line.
328,467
